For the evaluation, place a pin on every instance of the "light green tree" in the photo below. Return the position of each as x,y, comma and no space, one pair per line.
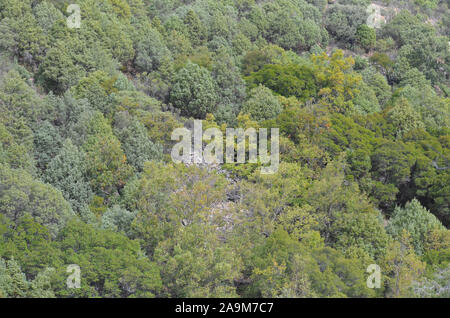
262,104
416,220
68,173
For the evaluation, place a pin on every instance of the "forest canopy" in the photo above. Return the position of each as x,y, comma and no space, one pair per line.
86,175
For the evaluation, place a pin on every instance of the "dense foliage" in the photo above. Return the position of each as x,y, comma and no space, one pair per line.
86,176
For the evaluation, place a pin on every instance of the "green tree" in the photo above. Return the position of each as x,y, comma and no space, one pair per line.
47,15
111,264
107,164
342,22
117,219
345,218
262,104
194,91
47,143
402,267
151,51
14,284
68,173
392,162
283,267
416,220
290,24
23,36
436,287
20,195
403,117
107,168
136,143
420,45
98,89
69,60
196,30
287,80
15,152
366,102
366,36
19,98
195,263
337,82
232,88
378,83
